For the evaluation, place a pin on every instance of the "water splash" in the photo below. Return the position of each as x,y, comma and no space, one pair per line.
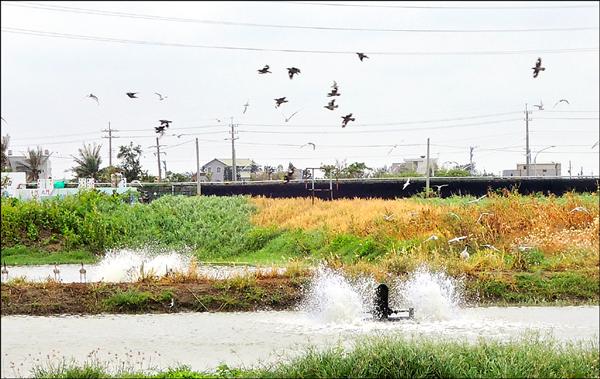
129,265
434,295
332,298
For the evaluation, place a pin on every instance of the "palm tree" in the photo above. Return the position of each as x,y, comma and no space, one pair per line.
34,160
88,162
4,157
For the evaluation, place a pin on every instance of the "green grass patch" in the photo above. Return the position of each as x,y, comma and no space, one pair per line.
393,358
131,300
22,255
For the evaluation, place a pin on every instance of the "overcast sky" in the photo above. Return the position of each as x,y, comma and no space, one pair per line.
395,99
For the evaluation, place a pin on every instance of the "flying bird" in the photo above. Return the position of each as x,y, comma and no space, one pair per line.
492,247
292,71
132,95
334,90
388,217
346,119
309,143
432,238
246,107
166,123
456,239
406,184
579,209
362,56
476,200
160,97
289,118
464,254
331,105
538,67
264,70
279,101
561,101
92,96
539,107
440,186
160,129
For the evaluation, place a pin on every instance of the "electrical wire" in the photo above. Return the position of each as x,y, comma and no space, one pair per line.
41,33
97,12
440,7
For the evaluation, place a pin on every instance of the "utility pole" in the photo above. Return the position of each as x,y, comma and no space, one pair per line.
110,137
233,166
197,169
165,166
428,172
569,169
471,148
158,153
527,152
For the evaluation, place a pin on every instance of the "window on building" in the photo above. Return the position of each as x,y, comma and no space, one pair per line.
209,169
218,169
544,170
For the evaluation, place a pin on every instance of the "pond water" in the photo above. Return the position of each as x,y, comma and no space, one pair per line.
125,266
334,310
204,340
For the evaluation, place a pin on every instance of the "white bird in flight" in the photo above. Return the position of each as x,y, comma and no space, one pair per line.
92,96
561,101
476,200
432,238
492,247
579,209
160,97
456,239
309,143
406,184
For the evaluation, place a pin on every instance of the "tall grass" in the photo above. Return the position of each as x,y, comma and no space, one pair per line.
394,357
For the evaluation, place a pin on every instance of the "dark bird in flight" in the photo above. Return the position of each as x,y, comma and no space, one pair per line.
561,101
538,67
264,70
160,129
334,92
331,105
92,96
347,118
165,123
132,95
362,56
539,107
280,101
292,71
309,143
246,106
160,97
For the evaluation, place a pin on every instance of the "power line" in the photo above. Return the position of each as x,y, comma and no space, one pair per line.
41,33
96,12
442,7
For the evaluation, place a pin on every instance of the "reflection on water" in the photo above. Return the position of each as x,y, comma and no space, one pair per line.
204,340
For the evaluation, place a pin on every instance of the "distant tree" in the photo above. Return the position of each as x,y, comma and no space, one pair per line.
178,178
269,170
130,165
4,164
34,160
306,174
356,170
88,162
453,172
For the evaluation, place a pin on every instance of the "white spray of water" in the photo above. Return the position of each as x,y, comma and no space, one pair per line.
126,265
332,298
433,295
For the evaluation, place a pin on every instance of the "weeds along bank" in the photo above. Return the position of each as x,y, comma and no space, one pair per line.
514,243
381,358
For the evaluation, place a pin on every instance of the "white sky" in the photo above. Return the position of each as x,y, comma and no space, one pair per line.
44,82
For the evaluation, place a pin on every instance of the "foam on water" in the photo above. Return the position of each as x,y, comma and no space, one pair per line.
333,298
433,295
126,265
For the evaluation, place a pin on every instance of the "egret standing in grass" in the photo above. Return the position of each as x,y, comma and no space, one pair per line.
464,254
56,272
82,274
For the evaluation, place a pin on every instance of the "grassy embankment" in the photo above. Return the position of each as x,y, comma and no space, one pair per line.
377,237
382,358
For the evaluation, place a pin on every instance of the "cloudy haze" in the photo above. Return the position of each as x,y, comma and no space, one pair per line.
396,99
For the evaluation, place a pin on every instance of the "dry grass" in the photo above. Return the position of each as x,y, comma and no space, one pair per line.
512,220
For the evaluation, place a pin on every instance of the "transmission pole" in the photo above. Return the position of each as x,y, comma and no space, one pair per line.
158,153
527,152
110,137
233,166
428,172
197,169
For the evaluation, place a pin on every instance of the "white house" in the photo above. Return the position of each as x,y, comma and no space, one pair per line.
535,169
215,169
17,164
414,164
